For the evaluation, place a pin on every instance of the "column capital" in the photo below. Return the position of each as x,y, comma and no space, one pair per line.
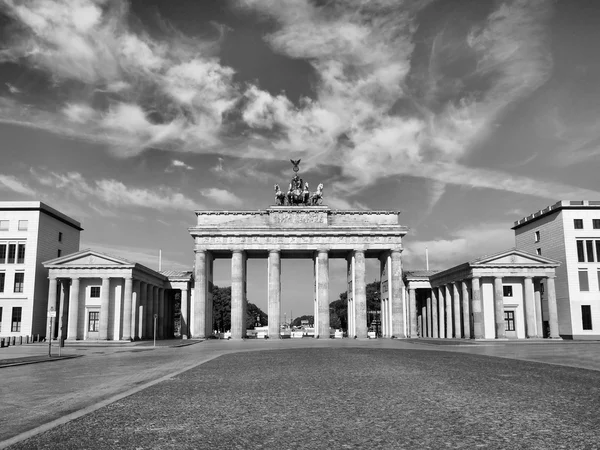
358,251
274,250
550,276
323,250
52,277
237,250
128,278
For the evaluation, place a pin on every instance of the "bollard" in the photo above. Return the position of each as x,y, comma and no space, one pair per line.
1,342
14,340
38,337
20,340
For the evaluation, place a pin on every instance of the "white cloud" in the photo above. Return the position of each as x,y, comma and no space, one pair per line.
221,196
12,88
176,163
14,184
114,193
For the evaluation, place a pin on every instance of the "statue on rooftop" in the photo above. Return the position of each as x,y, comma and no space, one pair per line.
298,191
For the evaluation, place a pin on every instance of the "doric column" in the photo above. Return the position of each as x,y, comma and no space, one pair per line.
456,307
161,313
200,293
429,323
63,283
323,296
552,308
478,322
274,296
466,311
360,290
449,323
397,286
154,312
72,333
185,314
529,307
499,309
412,297
104,308
135,304
424,320
435,324
52,288
127,308
141,315
237,295
539,325
149,311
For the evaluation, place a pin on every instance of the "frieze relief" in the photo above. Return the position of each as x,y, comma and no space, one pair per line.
267,241
294,218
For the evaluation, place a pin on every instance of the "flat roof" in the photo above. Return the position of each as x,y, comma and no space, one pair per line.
42,207
558,206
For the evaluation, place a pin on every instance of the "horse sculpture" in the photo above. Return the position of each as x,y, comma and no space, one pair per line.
316,198
279,196
298,196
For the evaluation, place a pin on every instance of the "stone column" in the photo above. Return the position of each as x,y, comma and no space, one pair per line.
424,320
135,303
323,296
552,308
52,288
141,325
360,290
154,312
149,311
161,313
64,283
429,316
274,296
209,299
127,308
185,314
200,291
456,307
449,323
237,295
478,322
539,325
412,296
104,309
397,286
435,325
499,309
466,313
72,333
529,308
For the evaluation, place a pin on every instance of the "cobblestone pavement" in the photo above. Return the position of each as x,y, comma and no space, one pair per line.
356,396
55,392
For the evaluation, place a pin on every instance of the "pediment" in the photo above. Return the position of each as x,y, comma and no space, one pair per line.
88,258
514,257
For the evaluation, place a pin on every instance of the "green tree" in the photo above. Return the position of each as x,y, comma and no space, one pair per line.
222,311
338,309
298,320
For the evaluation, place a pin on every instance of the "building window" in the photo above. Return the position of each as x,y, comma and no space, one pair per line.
12,252
507,291
94,321
95,292
60,236
537,236
21,254
596,223
589,246
58,253
3,278
538,251
16,319
586,317
584,284
2,253
23,225
578,224
3,225
580,252
509,320
19,278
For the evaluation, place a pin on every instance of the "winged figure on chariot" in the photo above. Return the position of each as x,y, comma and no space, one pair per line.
298,192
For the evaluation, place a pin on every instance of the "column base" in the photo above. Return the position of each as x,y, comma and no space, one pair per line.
184,336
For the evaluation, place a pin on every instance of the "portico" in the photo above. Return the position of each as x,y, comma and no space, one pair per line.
314,232
102,297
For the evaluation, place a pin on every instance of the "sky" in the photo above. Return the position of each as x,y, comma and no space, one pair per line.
464,115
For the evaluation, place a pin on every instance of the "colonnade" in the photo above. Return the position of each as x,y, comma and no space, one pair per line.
392,317
129,316
455,309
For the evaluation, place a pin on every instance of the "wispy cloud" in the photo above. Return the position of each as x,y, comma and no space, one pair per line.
178,164
13,89
221,196
15,185
114,193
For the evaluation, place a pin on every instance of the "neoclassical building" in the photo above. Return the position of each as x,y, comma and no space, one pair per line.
493,297
102,297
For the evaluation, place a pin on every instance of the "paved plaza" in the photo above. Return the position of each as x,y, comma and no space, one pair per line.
305,394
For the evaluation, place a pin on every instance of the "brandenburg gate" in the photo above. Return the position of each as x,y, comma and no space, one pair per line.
303,230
